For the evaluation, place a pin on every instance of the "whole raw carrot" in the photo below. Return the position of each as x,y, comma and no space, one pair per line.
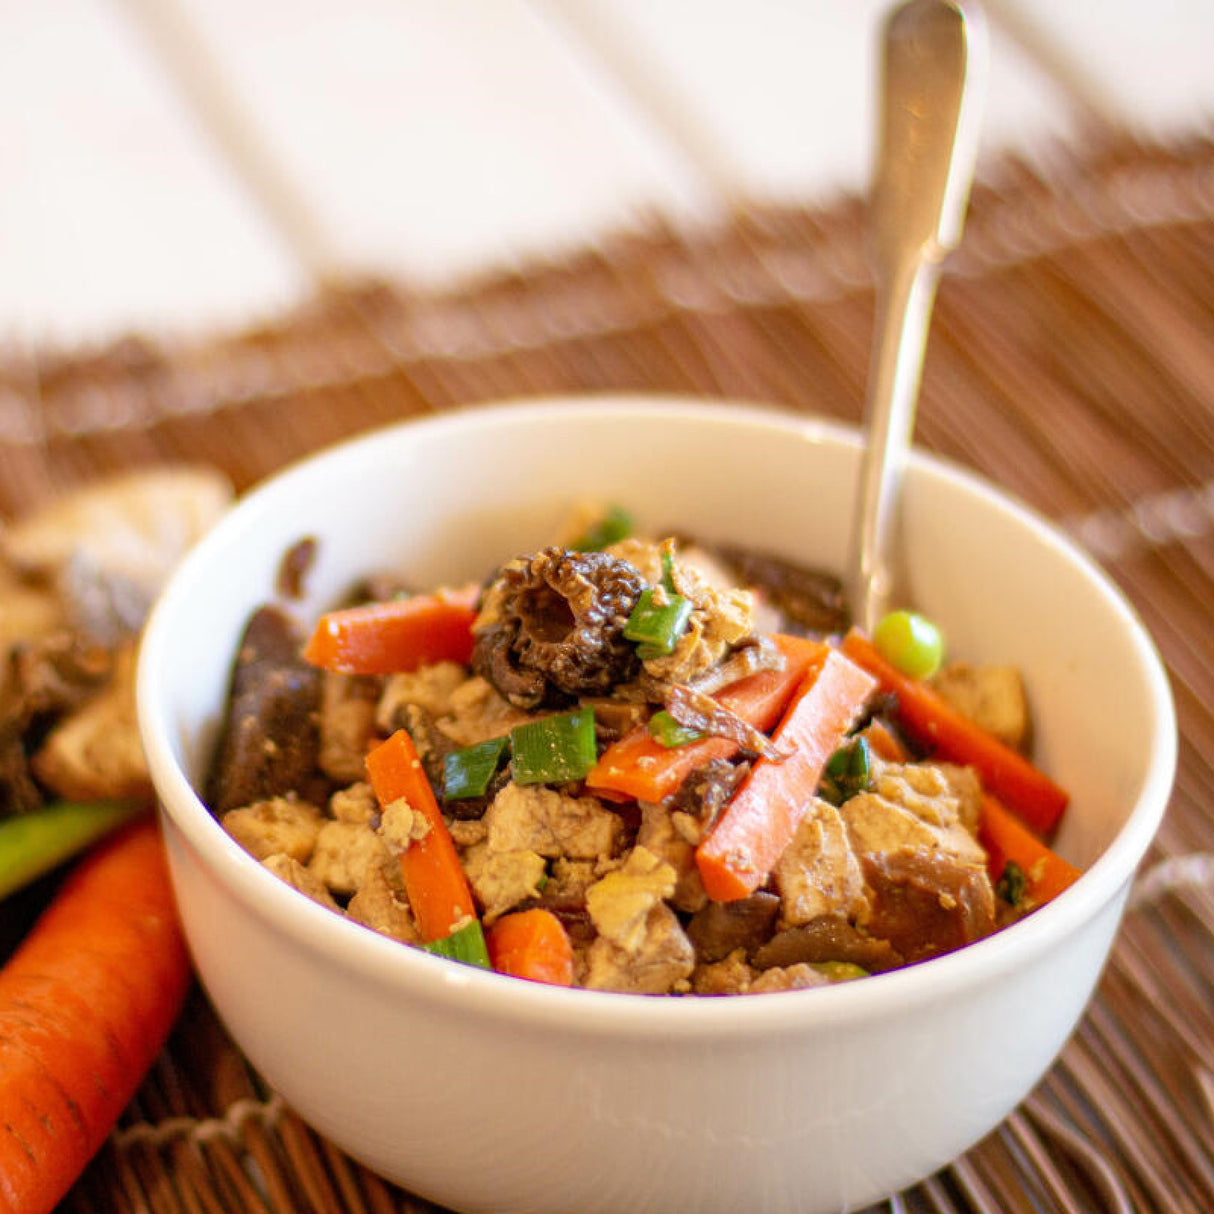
387,638
531,944
85,1004
639,766
763,815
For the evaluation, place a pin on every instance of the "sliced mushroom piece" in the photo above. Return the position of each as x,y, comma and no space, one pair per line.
722,927
829,938
109,546
95,751
270,742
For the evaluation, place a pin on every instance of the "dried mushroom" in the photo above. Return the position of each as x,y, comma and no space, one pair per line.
552,626
95,752
108,547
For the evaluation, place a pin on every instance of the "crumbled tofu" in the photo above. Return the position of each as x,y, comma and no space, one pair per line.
379,905
911,807
730,976
658,833
279,826
355,804
991,696
347,725
476,713
501,880
400,824
818,873
540,819
468,832
344,853
620,902
428,687
661,961
288,869
787,978
569,880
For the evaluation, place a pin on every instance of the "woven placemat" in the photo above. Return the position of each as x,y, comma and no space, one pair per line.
1072,360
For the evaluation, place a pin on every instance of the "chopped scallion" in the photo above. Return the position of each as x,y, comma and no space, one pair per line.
1013,884
668,573
467,772
553,749
465,945
614,526
666,730
657,622
840,971
848,772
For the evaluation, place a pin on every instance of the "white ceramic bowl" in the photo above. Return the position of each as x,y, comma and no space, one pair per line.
486,1093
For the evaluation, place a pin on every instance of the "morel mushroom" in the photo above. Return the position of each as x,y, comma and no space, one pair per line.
551,627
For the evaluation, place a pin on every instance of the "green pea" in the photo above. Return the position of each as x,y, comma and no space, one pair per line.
911,642
840,971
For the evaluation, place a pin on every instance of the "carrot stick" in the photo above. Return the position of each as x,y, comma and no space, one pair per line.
434,879
639,766
1006,838
929,720
883,743
85,1004
385,638
531,944
763,815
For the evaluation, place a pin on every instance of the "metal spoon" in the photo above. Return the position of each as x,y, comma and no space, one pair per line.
934,60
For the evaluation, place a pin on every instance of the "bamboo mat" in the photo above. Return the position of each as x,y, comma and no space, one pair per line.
1072,360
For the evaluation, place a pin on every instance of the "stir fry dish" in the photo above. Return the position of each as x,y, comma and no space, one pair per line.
648,765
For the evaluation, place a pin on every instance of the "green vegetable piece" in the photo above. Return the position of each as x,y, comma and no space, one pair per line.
614,526
553,749
467,772
840,971
668,573
465,945
847,773
32,844
1013,884
911,642
656,623
665,729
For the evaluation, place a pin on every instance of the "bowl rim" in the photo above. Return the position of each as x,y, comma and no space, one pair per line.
585,1012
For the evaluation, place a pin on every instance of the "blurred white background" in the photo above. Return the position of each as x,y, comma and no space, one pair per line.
176,165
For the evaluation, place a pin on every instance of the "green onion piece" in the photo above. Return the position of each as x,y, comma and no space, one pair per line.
553,749
657,626
847,773
840,971
911,642
465,945
614,526
1012,885
668,573
467,772
666,730
33,843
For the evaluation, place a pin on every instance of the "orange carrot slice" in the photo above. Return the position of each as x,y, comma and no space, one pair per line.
1006,838
434,879
639,766
531,944
946,734
85,1004
763,815
401,635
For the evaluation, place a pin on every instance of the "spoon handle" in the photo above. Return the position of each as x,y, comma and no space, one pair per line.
934,55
